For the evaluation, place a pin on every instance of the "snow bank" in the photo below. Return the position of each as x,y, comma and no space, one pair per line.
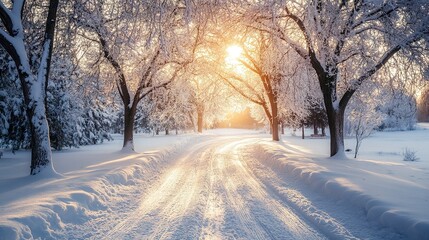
41,207
346,180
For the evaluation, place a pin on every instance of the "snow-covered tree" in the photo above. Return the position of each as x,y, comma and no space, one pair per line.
363,115
61,117
316,116
346,43
13,120
166,109
207,99
400,85
12,111
94,104
33,78
72,97
145,57
252,71
400,109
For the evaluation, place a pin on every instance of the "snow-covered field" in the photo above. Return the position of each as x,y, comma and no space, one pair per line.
224,184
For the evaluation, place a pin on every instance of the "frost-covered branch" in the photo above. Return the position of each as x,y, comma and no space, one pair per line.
162,85
303,29
121,83
241,92
385,58
145,79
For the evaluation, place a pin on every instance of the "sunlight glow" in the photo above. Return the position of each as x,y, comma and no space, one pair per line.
234,52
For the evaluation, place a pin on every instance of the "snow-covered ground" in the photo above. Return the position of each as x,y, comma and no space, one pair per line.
224,184
392,192
92,177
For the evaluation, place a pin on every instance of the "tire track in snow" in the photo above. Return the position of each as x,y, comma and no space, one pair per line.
254,212
161,210
338,220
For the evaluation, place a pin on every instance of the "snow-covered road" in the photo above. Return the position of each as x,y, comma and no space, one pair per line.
215,189
209,192
224,185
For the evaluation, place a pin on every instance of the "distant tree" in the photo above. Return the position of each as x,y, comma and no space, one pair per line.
168,109
241,119
206,97
316,116
400,109
261,84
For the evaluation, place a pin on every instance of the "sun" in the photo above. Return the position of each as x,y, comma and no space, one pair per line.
234,51
233,54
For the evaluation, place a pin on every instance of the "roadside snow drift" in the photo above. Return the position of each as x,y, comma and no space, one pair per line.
380,188
41,206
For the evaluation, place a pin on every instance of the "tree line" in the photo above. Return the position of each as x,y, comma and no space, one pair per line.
73,72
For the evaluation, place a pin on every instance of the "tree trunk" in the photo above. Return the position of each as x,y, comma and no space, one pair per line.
336,125
191,118
323,131
315,129
167,132
275,126
334,111
129,115
200,115
357,145
302,131
283,128
41,155
49,37
272,97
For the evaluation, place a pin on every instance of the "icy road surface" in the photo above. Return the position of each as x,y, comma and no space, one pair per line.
215,189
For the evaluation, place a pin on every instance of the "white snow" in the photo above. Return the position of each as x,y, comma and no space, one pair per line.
392,192
220,185
40,206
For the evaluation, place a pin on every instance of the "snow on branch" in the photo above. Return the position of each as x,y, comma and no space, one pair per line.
5,16
302,28
162,85
18,7
375,14
381,62
121,83
258,101
275,30
386,56
145,76
41,74
5,38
